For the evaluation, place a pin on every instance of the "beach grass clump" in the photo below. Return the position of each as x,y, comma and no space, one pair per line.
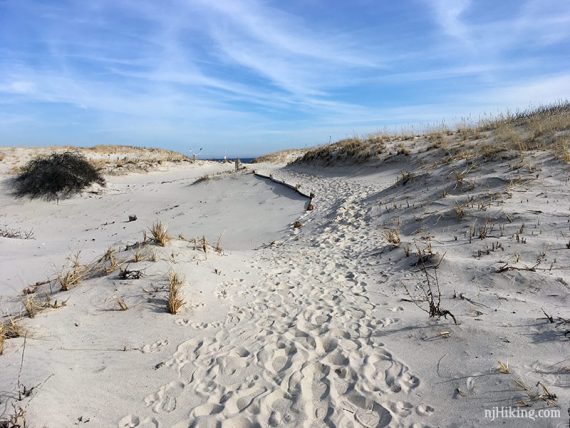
392,236
459,210
160,234
9,329
175,300
32,306
72,276
2,338
56,176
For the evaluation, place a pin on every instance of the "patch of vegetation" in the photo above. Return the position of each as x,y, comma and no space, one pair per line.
56,176
499,137
351,149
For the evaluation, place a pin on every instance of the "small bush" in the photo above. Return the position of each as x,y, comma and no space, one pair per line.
55,176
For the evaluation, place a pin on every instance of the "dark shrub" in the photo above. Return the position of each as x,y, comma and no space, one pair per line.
55,176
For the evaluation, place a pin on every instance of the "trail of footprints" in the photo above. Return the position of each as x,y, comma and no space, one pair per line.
305,352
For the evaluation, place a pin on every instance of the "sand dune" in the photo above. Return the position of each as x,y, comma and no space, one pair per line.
316,325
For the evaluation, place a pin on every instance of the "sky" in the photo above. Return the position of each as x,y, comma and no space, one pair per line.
240,78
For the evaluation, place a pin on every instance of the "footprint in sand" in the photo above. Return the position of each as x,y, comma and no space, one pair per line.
367,413
165,399
132,421
424,410
155,347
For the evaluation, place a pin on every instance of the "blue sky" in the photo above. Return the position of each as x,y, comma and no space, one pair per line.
245,77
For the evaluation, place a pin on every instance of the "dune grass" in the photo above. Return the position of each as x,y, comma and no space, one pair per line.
544,128
175,300
160,234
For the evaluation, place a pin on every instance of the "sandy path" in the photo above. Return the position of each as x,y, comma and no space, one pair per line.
316,329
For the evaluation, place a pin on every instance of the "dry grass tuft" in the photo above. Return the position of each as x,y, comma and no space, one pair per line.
403,150
506,133
405,177
10,330
392,236
459,211
137,256
175,300
16,233
503,368
159,234
218,248
74,275
561,149
202,179
32,306
122,304
108,261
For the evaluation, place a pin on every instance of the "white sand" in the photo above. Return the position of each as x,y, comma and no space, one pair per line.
315,329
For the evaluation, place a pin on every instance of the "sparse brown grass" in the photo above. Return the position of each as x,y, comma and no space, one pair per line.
354,149
109,261
459,210
204,244
562,149
175,300
279,157
218,248
31,305
6,232
71,277
202,179
9,329
405,177
75,272
122,304
392,236
506,135
402,149
160,234
503,368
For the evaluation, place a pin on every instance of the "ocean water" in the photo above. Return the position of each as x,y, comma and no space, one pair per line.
243,160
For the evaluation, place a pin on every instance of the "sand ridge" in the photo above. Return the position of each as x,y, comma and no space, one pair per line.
316,325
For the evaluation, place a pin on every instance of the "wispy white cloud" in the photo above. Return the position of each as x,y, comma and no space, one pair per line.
180,68
449,17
